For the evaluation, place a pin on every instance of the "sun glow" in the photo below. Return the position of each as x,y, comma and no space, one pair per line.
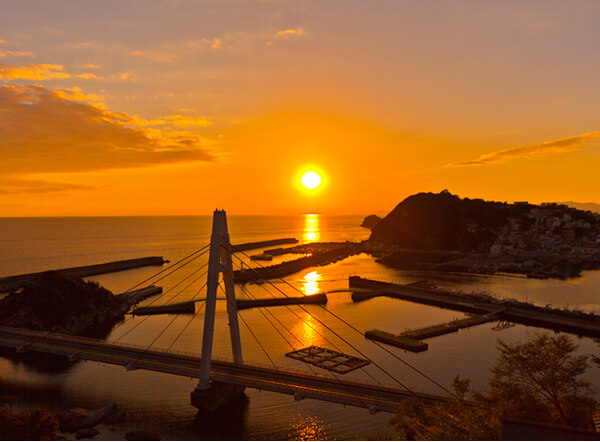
311,180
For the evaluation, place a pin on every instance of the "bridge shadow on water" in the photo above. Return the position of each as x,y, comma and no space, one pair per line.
229,423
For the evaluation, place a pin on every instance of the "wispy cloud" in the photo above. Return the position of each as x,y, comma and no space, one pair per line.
562,145
16,53
32,72
9,185
74,134
287,33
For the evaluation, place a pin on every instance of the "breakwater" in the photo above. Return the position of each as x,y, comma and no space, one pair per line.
188,307
260,244
272,302
412,340
9,283
580,323
296,265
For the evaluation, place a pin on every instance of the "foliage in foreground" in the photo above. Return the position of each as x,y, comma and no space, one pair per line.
29,424
538,380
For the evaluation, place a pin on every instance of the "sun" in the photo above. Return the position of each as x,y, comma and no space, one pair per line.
311,180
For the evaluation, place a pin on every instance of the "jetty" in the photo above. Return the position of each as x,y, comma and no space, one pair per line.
134,296
343,250
188,307
319,298
576,322
412,340
261,244
9,283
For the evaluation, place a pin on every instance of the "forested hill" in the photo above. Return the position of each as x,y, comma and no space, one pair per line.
443,221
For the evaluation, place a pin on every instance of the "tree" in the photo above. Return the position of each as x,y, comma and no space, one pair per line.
538,380
29,424
452,420
541,380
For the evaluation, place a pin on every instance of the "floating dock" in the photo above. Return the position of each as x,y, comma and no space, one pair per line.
579,323
188,307
17,281
296,265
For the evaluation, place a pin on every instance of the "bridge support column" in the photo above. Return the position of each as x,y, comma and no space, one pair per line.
211,395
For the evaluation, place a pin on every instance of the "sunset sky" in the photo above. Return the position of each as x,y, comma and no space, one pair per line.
177,107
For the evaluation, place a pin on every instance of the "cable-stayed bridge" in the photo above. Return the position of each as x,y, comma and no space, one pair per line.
219,380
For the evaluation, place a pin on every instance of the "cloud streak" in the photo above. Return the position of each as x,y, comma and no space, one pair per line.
44,130
32,72
546,148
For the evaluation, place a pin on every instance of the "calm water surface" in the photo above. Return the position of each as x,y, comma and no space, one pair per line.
161,402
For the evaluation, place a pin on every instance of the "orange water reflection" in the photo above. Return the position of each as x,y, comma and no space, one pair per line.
308,330
312,232
307,428
311,283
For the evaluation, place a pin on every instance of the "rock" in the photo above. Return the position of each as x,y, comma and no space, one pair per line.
69,421
116,416
370,221
86,433
98,416
142,435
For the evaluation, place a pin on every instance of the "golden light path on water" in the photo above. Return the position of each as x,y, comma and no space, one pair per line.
308,330
312,232
311,283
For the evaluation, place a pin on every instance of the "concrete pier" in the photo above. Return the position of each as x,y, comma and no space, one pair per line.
296,265
260,244
8,283
272,302
580,323
171,309
135,296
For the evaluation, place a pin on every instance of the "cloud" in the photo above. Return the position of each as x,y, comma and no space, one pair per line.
10,186
287,33
91,66
32,72
44,130
17,53
89,76
562,145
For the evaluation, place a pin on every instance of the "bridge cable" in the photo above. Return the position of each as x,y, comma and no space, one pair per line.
131,317
335,333
314,329
359,332
165,269
262,311
166,327
172,298
311,368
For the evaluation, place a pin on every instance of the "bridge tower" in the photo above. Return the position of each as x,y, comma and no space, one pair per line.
211,395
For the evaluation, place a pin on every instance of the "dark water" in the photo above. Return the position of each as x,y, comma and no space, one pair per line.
161,402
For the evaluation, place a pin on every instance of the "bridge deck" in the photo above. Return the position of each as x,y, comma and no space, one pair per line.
301,385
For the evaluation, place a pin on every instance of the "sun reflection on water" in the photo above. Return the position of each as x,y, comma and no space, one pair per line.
308,330
307,428
312,231
311,283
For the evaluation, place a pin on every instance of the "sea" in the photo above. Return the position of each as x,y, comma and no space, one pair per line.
161,403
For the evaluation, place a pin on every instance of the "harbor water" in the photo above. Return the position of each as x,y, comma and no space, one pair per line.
161,403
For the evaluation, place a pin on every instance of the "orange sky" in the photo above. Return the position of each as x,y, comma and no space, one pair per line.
160,108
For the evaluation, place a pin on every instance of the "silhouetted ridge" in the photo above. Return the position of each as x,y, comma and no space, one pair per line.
442,221
56,302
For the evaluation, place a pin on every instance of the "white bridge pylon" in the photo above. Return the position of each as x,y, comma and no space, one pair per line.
219,261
